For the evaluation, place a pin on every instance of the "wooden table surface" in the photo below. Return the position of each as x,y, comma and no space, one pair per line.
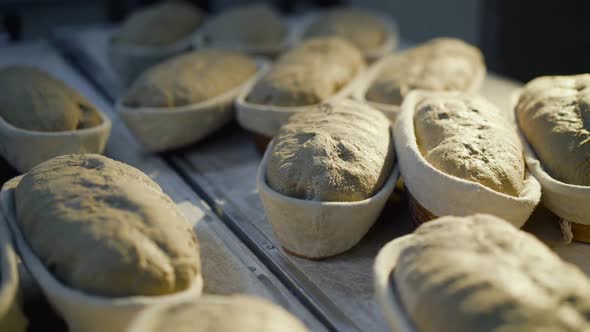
240,252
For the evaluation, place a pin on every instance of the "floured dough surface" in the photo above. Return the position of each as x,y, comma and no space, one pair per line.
34,100
467,136
190,78
251,25
339,151
480,273
222,314
160,25
553,112
442,64
105,228
309,74
362,28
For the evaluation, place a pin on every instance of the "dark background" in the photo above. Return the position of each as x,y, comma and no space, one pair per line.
521,39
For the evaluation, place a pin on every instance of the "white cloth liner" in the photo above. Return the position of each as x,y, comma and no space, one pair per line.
162,128
390,303
443,194
24,149
315,229
392,111
83,312
569,202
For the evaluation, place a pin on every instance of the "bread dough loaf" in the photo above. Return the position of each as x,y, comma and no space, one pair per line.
189,79
105,228
554,114
363,29
221,314
443,64
309,73
340,151
251,25
468,137
480,273
31,99
160,25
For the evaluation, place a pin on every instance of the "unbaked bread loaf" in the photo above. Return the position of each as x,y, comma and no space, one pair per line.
32,99
480,273
442,64
553,112
339,151
466,136
105,228
219,314
309,73
189,79
160,25
360,27
252,25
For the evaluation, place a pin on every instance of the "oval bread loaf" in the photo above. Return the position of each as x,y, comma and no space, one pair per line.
160,25
189,79
554,114
105,228
479,273
338,151
468,137
220,314
359,27
309,73
252,25
32,99
442,64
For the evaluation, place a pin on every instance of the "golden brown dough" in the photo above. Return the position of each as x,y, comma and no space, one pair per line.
360,27
466,136
553,112
34,100
190,78
442,64
479,273
309,73
339,151
105,228
160,25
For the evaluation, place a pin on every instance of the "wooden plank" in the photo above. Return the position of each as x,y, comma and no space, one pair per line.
222,169
228,266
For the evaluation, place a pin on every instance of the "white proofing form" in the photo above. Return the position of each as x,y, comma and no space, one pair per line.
10,311
314,229
443,194
568,201
24,149
83,312
268,119
161,128
392,111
